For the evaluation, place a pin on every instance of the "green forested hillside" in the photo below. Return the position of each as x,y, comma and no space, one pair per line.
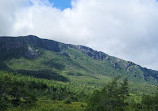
82,70
37,71
24,93
33,56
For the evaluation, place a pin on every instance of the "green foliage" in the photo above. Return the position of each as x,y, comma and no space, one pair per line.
26,93
45,74
3,104
116,97
111,98
53,63
48,105
78,69
15,93
150,102
17,90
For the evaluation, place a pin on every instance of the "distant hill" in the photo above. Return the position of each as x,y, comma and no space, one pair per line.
48,59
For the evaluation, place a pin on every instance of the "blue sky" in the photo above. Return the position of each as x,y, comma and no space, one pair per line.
61,4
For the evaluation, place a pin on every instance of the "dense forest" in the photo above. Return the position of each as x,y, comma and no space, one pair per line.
116,97
18,93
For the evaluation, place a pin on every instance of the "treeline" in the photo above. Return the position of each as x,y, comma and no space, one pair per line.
115,96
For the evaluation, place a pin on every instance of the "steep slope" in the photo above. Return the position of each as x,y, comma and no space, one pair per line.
53,60
116,63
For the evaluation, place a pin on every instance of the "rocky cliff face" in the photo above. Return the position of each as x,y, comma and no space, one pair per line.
26,46
98,55
16,47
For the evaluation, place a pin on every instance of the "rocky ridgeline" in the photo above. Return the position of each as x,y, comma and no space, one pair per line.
29,47
101,56
26,46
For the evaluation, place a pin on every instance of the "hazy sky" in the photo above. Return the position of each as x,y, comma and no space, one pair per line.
123,28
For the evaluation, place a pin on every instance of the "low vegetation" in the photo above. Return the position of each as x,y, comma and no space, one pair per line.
25,93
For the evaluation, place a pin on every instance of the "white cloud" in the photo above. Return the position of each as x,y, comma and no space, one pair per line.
123,28
8,8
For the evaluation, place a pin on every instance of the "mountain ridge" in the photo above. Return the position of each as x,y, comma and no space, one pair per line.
29,47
